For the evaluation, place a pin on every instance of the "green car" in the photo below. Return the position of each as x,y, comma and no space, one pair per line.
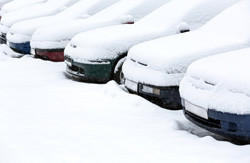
96,71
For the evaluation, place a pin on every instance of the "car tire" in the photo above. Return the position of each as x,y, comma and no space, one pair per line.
118,74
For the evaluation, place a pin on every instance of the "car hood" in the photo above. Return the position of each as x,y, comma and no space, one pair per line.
115,40
222,80
175,53
229,69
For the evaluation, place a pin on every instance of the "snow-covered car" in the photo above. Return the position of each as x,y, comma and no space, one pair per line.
17,4
19,36
215,93
50,45
3,2
47,8
98,55
154,69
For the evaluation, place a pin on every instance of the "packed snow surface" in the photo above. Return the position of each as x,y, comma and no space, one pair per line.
167,59
50,7
220,82
45,117
122,12
110,42
21,32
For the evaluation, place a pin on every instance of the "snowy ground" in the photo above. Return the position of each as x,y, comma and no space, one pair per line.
47,118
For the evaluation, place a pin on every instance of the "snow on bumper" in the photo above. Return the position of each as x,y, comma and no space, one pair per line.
158,87
43,44
142,74
17,38
4,28
214,96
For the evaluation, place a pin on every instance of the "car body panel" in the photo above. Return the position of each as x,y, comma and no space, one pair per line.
226,124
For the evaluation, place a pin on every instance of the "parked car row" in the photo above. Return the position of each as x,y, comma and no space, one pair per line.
149,46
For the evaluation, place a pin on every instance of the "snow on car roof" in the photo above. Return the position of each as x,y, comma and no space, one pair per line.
117,40
43,9
17,4
227,31
81,8
2,2
112,15
222,80
136,8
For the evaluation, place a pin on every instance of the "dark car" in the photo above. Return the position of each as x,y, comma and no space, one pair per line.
217,98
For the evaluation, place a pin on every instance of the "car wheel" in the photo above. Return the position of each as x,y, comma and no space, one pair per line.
118,74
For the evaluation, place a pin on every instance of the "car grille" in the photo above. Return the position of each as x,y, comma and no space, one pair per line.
210,122
77,69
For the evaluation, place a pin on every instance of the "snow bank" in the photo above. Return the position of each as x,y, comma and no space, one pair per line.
46,118
17,4
60,34
108,43
6,52
21,32
172,55
50,7
220,82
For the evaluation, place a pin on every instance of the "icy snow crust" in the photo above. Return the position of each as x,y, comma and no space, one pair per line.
219,82
110,42
21,32
17,4
50,7
171,56
58,36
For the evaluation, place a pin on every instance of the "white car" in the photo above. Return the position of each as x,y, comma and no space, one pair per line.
154,69
98,55
215,93
19,36
50,45
47,8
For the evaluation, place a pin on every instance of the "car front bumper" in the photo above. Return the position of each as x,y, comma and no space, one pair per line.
225,124
98,72
167,97
55,55
23,48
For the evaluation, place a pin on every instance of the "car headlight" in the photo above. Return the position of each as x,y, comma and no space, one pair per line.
151,90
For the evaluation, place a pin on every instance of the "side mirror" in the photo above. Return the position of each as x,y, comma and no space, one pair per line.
128,19
183,27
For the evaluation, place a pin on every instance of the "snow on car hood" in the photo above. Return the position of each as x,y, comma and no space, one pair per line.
79,9
109,42
50,7
222,80
113,15
104,47
228,31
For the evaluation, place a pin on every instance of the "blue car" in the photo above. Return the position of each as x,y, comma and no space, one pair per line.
217,98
